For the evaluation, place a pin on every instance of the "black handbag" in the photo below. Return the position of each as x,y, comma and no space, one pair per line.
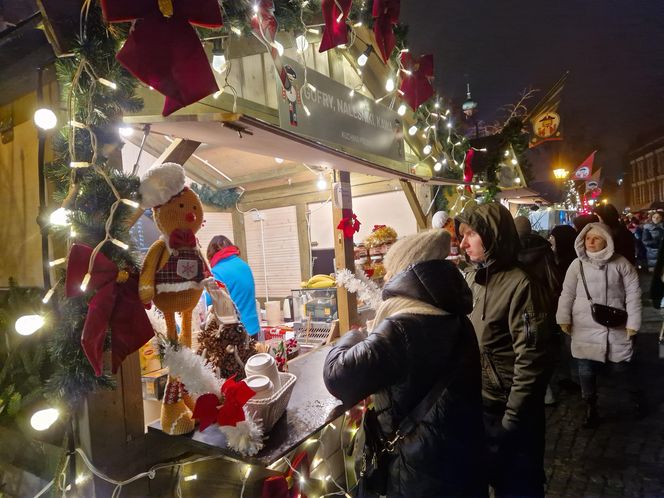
607,316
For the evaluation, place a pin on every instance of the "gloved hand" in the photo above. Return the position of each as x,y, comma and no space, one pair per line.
631,333
566,327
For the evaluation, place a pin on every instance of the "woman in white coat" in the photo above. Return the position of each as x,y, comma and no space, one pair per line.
612,281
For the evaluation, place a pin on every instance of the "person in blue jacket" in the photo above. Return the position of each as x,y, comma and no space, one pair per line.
235,274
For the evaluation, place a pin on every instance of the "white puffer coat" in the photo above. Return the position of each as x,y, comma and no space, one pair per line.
611,280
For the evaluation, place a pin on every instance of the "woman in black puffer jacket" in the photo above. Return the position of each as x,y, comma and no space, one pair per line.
421,333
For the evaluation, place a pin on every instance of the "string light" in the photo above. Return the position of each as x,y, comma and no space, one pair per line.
401,111
352,92
515,162
108,83
77,124
311,87
406,71
86,281
125,131
44,419
45,119
517,180
120,244
364,56
357,24
236,30
278,160
427,149
340,16
438,166
315,31
57,262
59,217
507,153
279,47
29,324
404,51
306,110
79,164
389,84
301,43
321,183
130,203
219,63
48,295
412,130
217,94
192,477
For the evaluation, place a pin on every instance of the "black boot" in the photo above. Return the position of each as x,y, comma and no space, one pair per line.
591,418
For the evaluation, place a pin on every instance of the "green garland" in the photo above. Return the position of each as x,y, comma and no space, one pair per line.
223,197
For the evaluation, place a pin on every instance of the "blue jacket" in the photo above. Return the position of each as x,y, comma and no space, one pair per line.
236,275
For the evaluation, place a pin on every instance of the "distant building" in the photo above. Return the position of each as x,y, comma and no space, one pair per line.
645,178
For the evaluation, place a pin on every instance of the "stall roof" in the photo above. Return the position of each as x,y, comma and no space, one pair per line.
522,196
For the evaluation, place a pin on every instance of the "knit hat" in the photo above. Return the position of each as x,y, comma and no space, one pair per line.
523,226
423,246
439,219
160,184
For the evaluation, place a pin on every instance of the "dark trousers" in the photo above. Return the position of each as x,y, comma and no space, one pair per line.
626,371
516,460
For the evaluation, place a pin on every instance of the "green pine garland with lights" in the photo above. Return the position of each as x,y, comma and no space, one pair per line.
223,198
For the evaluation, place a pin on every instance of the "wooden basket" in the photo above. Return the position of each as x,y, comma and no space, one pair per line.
269,410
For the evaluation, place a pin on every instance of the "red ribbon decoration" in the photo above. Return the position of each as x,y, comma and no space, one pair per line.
234,394
264,26
377,227
335,32
277,486
113,303
386,15
468,168
165,52
181,238
349,225
416,87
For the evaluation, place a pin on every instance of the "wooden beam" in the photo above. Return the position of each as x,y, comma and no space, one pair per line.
265,176
239,233
179,151
344,256
414,203
303,241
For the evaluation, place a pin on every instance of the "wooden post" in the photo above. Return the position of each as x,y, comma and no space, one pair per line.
414,203
178,152
303,241
239,233
344,254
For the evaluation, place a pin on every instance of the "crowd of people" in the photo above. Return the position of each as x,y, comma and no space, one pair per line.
458,367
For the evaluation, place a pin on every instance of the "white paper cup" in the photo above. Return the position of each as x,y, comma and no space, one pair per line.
261,385
263,364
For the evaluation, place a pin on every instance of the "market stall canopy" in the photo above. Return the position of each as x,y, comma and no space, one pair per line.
522,196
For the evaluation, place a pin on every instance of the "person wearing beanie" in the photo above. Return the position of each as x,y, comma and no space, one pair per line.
523,226
613,281
421,352
514,336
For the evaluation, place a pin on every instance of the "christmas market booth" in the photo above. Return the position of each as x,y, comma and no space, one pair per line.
306,134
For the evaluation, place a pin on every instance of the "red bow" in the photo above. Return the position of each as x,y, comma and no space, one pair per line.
468,168
234,395
377,227
416,87
165,52
115,304
180,238
386,15
277,486
336,29
350,225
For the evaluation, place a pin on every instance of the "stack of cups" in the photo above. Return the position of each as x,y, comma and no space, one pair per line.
261,385
262,364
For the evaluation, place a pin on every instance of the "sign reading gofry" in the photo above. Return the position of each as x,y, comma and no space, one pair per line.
325,110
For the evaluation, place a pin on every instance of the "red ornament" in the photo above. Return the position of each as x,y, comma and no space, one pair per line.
468,168
277,486
234,394
335,33
386,15
350,225
115,304
416,87
163,49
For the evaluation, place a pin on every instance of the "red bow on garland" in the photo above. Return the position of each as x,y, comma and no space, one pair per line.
349,225
277,486
234,395
114,303
416,87
180,238
163,49
386,15
468,168
335,33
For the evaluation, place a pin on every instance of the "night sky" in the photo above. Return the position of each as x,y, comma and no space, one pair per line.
613,48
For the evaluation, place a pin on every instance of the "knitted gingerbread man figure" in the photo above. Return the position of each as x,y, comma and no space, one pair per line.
172,272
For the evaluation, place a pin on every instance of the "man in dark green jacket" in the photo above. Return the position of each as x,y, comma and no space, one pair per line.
509,317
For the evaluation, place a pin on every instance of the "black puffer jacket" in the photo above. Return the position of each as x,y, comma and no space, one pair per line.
399,362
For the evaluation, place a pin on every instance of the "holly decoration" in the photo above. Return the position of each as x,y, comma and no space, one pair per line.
386,15
416,87
225,409
163,49
335,33
349,225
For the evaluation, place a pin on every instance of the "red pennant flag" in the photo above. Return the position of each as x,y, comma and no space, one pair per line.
335,32
416,86
386,15
585,169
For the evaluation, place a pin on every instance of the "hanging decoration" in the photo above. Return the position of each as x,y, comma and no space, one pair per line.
264,26
226,408
221,197
367,291
416,87
381,234
468,168
115,303
287,486
163,49
335,32
386,16
349,225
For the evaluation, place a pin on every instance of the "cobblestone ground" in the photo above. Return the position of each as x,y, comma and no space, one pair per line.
623,457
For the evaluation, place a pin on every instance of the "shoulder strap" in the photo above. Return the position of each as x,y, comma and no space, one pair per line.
583,277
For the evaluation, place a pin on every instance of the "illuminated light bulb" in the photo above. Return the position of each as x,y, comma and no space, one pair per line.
314,30
401,111
59,217
305,3
278,160
400,92
150,87
444,161
217,94
389,84
130,203
301,43
79,164
72,233
437,105
192,477
447,112
342,46
302,481
108,83
449,125
86,281
351,93
236,30
357,24
364,56
247,472
306,110
311,87
48,295
77,124
29,324
255,9
406,71
57,262
219,63
515,162
45,119
120,244
517,180
507,153
412,130
43,419
427,149
404,50
80,479
438,166
321,183
279,47
125,131
340,16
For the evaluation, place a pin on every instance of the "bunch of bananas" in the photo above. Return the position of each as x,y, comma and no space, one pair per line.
319,282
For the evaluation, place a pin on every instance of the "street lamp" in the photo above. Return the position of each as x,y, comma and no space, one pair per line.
560,173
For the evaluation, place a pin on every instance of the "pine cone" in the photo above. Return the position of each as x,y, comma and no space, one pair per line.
215,341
